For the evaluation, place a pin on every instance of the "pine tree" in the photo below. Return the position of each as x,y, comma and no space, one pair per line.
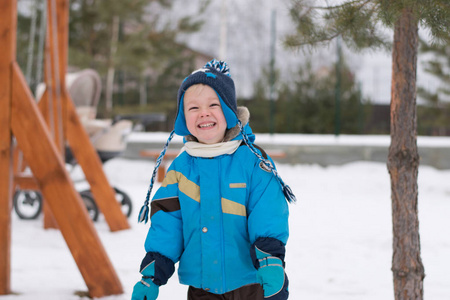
360,24
434,115
307,104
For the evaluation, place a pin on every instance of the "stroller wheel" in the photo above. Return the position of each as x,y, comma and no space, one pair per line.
123,199
27,204
125,202
90,205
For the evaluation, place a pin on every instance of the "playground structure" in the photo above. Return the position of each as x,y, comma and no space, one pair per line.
40,131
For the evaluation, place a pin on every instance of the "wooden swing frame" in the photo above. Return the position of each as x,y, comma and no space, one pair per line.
30,124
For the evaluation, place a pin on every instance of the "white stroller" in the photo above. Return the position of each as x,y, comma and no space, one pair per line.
107,137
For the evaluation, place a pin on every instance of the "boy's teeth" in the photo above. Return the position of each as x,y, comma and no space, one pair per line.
206,125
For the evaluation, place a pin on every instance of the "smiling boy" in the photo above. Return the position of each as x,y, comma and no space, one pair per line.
221,211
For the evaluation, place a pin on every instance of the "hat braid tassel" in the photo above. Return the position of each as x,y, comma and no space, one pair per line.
288,194
143,213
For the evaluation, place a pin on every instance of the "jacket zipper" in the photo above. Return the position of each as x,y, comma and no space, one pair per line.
221,231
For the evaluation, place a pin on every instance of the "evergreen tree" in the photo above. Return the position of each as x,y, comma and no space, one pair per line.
434,115
307,104
360,24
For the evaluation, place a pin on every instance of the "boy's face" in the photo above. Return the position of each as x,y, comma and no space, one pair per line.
204,115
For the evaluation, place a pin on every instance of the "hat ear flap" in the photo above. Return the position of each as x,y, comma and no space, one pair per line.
180,126
230,115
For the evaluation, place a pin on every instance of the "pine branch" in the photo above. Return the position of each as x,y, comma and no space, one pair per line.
354,21
293,42
364,2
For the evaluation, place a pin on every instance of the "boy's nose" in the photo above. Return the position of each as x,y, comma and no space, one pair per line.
204,112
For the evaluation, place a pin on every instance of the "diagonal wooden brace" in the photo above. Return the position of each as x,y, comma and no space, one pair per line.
47,166
91,164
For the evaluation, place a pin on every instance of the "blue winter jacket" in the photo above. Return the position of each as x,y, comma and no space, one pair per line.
209,211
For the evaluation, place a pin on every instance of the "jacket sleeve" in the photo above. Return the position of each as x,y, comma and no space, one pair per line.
165,235
161,270
267,207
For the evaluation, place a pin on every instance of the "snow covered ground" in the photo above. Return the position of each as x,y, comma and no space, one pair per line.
339,248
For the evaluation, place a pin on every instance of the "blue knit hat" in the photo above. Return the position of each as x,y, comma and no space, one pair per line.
216,75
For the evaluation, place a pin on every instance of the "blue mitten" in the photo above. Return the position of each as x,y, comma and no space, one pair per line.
270,269
146,289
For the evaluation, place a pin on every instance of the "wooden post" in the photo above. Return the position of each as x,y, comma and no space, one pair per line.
50,103
44,104
44,160
20,115
7,40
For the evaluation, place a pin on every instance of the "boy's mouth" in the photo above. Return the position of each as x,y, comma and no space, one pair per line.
206,125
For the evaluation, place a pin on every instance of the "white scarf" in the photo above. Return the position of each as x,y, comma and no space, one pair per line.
211,150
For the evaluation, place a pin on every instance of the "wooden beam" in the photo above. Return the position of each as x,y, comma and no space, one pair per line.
91,164
54,78
44,106
62,30
26,182
47,166
51,101
8,41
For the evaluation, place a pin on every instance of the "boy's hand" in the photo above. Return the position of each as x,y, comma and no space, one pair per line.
267,256
272,277
146,289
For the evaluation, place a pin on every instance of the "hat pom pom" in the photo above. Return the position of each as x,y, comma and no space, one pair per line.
220,66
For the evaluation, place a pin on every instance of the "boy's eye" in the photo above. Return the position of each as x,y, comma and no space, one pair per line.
192,108
215,104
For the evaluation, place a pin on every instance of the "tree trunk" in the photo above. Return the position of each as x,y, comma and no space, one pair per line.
403,161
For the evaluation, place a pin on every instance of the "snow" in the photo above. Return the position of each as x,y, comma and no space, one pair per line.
340,245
